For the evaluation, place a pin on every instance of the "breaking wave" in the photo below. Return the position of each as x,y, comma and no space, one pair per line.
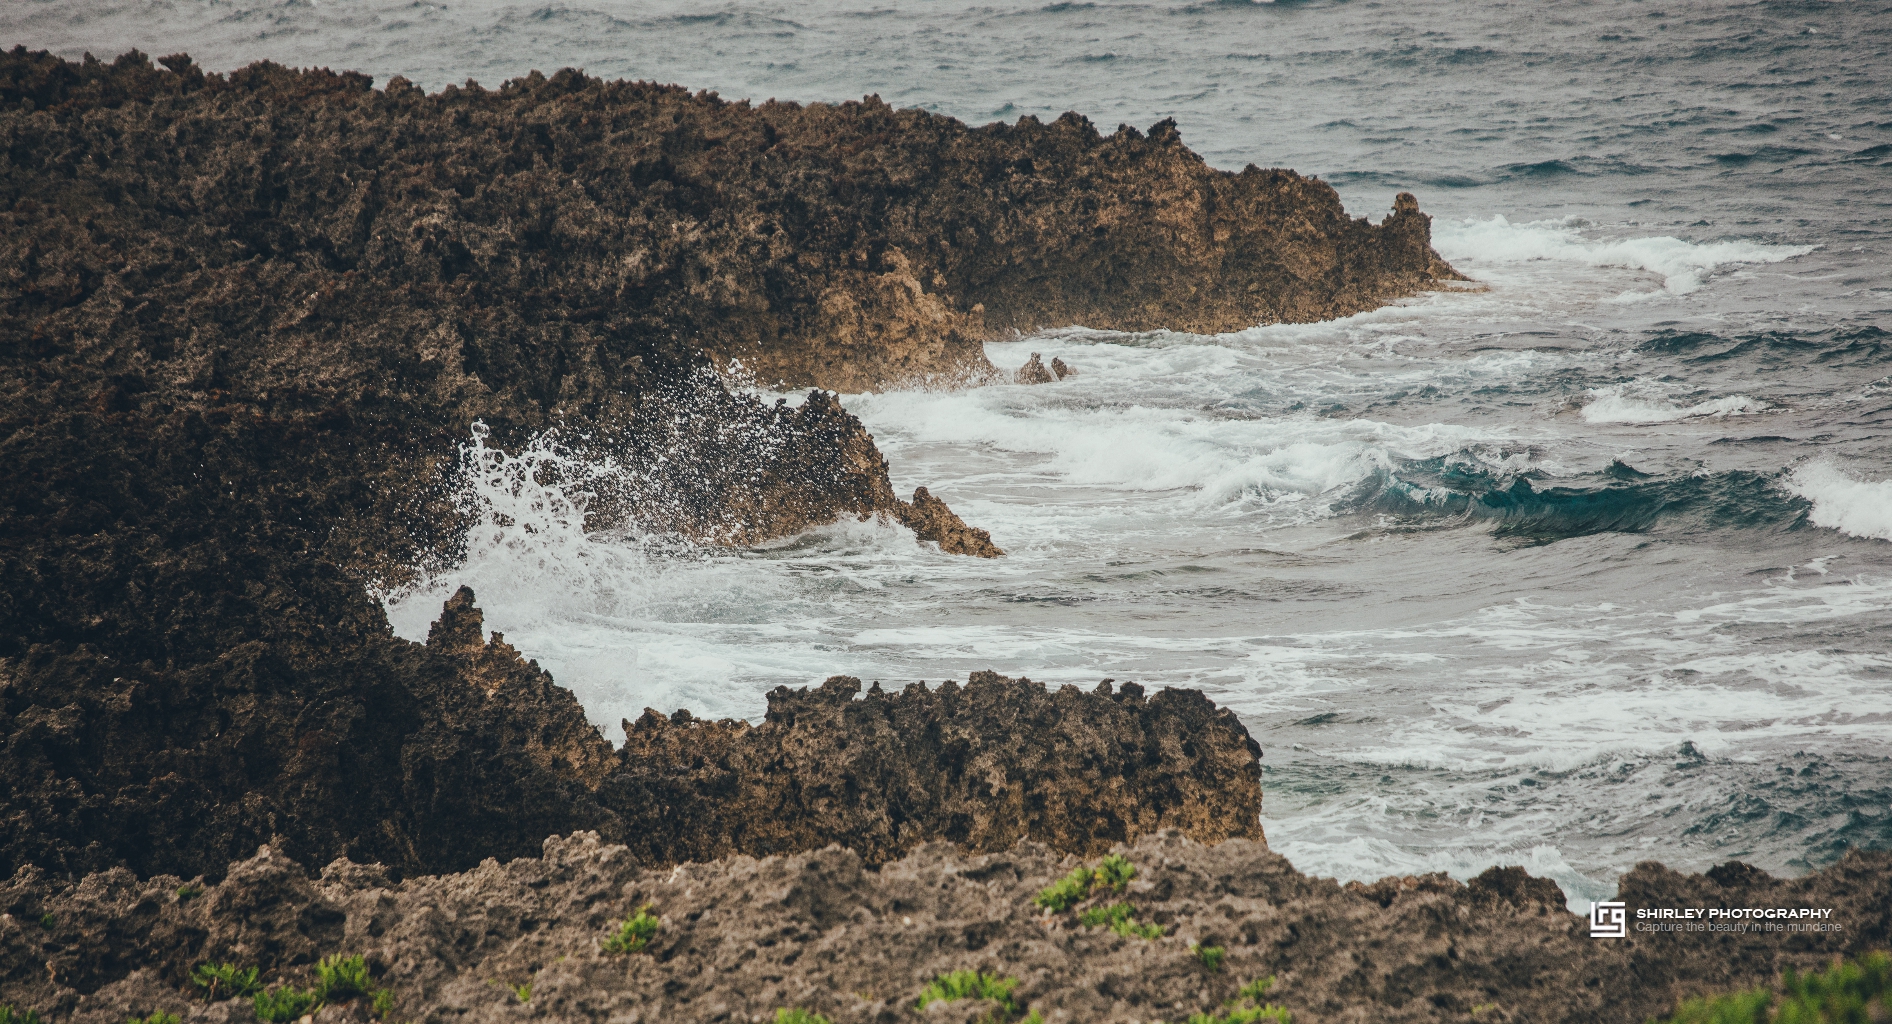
1862,508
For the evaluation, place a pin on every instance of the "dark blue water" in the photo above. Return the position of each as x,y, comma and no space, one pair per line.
1589,567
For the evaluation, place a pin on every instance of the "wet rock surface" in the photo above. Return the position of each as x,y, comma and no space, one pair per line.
741,937
1033,372
930,519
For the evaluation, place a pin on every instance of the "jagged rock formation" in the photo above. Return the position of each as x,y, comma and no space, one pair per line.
741,938
429,758
930,519
1062,369
985,766
247,322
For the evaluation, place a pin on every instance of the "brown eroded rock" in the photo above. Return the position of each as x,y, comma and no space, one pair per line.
255,322
984,766
1062,369
930,519
431,757
741,937
1033,372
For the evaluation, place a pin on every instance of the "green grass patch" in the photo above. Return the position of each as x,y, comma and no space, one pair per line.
1247,1007
1113,873
226,981
1849,991
339,977
634,932
157,1017
48,922
523,991
1119,918
188,892
1210,956
9,1015
959,985
285,1004
1066,892
797,1015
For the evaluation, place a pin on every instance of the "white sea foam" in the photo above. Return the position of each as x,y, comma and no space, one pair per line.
1493,245
1611,405
1862,508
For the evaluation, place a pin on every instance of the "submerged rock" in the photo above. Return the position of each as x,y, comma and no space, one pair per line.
739,938
1033,372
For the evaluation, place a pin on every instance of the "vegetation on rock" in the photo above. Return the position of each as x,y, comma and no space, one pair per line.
634,932
1855,991
226,981
957,985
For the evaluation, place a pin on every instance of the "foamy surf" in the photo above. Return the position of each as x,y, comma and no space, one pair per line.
1611,405
1862,508
1496,246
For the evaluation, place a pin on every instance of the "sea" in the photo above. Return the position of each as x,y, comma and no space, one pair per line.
1589,567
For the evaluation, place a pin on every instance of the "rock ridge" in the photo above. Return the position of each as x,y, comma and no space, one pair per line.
431,757
250,325
822,930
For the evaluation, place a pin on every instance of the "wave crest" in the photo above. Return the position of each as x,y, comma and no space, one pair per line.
1862,508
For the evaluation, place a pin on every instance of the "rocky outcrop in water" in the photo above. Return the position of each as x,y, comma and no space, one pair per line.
430,758
1033,372
985,766
740,938
247,324
930,519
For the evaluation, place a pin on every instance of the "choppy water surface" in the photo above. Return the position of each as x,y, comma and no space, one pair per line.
1591,567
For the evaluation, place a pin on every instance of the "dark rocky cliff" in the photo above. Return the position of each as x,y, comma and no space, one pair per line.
246,322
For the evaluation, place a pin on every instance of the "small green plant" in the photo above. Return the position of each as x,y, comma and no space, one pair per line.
959,985
1119,918
383,1003
634,932
1847,991
157,1017
523,991
48,922
1211,956
797,1015
1066,892
339,978
9,1015
284,1004
188,892
1255,990
1246,1007
226,981
1113,873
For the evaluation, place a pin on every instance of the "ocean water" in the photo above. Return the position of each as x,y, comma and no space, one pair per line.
1590,567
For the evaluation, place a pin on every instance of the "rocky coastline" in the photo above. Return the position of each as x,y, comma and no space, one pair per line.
739,938
248,324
